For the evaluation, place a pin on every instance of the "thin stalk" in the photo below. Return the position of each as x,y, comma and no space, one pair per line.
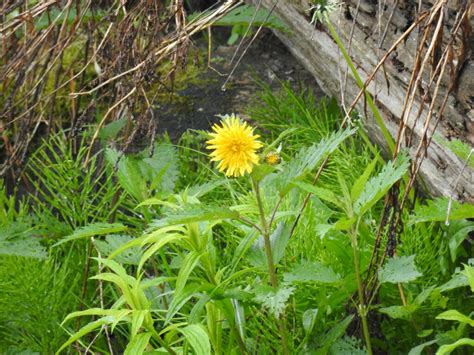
362,309
271,265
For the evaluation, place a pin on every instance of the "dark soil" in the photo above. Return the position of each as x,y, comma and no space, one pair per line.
197,106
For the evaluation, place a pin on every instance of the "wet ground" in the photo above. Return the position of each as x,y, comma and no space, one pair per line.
198,104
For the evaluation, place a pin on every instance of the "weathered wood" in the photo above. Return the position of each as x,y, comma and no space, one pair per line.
316,50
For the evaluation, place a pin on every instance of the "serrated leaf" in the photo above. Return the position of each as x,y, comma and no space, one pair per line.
308,159
399,312
274,300
161,169
399,269
437,211
93,230
359,184
312,272
197,338
128,173
18,238
378,186
130,256
336,332
452,314
347,346
468,272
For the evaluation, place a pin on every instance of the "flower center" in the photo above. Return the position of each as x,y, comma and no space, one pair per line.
237,147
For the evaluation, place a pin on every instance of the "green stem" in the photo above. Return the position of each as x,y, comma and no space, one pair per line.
360,84
362,309
271,265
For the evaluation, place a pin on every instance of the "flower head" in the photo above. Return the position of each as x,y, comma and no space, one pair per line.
234,146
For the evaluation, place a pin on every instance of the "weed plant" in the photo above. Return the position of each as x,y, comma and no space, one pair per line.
157,251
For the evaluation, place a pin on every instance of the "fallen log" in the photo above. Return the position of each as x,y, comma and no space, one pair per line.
442,172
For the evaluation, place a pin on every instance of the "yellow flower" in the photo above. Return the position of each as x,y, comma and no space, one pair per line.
234,146
273,158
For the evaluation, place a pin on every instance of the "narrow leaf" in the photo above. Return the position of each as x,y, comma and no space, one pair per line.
92,230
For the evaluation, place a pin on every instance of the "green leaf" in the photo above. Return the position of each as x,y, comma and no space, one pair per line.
138,344
417,350
322,193
308,271
452,314
29,247
161,169
202,189
129,174
336,332
86,330
130,256
399,312
158,241
197,338
92,230
196,214
243,15
458,232
112,129
457,280
399,269
447,349
437,211
187,266
358,186
308,159
274,300
279,240
180,299
309,319
468,272
458,147
378,186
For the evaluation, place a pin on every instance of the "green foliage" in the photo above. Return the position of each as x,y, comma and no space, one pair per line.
312,272
399,269
66,190
141,176
378,186
35,296
242,18
214,265
461,149
441,209
273,300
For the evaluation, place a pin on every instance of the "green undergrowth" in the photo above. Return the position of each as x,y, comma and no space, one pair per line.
158,252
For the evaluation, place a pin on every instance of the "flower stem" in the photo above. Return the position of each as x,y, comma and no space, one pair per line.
362,309
271,266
